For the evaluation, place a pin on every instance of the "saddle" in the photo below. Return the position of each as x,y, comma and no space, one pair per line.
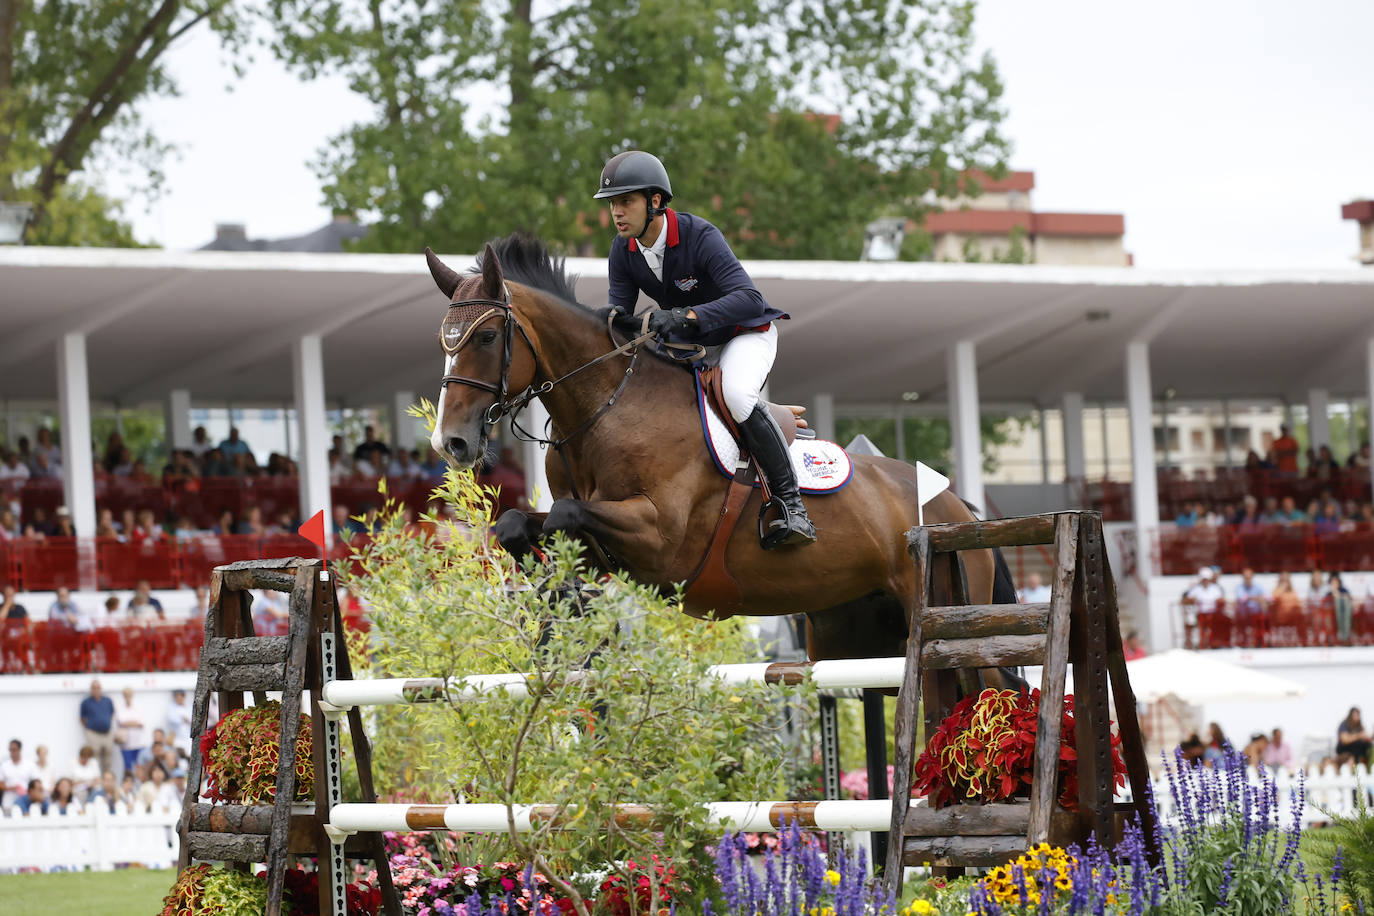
711,584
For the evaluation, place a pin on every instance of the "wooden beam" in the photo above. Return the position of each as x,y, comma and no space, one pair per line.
977,620
1024,531
983,652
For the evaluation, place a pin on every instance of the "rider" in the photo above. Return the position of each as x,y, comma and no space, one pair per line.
704,296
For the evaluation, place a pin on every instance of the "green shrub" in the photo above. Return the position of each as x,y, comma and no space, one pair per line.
638,720
1351,838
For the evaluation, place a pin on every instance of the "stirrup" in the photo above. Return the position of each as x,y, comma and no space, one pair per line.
781,531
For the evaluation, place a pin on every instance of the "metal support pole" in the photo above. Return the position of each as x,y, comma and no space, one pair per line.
1226,431
875,747
830,759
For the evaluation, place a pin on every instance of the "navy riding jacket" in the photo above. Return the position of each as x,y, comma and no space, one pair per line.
700,272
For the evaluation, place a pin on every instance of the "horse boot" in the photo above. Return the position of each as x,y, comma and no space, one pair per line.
765,442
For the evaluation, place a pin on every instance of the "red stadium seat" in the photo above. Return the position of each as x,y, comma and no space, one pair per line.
58,649
200,555
122,565
119,647
44,565
175,645
15,647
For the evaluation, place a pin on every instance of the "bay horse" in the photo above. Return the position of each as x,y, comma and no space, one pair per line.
635,475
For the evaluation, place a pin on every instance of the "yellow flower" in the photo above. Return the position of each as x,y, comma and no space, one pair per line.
832,877
921,908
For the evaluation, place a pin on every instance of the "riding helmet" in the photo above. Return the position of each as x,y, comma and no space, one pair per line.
634,170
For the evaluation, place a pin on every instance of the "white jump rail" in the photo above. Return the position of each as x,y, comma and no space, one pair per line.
750,816
835,674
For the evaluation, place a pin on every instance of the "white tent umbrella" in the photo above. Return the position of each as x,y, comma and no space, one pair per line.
1198,679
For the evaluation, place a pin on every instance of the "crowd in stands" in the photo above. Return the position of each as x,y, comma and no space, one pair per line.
133,759
1352,745
1326,613
220,489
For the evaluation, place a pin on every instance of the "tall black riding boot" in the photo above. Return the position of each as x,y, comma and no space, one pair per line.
765,442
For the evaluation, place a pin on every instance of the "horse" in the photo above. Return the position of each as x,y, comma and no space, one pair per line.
629,472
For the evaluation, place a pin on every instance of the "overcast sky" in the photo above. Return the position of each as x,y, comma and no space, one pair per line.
1228,133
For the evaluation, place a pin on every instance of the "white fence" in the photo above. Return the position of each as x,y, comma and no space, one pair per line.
93,838
1332,789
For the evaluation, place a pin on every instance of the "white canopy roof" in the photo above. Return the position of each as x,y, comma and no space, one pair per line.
218,324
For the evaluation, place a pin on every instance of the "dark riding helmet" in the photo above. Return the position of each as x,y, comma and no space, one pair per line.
634,170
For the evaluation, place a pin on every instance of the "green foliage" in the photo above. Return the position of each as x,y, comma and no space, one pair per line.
1352,838
735,97
69,94
621,709
928,439
1218,856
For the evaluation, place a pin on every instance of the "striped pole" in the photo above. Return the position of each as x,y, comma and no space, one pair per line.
836,674
754,817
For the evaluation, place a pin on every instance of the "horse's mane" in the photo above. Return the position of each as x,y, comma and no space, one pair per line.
527,260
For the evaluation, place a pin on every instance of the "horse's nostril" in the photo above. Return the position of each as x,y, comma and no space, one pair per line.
457,446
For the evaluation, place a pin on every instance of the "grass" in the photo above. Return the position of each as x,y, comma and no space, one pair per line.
131,892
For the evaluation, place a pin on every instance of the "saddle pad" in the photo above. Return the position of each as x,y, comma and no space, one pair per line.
821,467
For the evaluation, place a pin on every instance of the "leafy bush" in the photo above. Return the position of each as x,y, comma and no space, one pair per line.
620,708
1345,849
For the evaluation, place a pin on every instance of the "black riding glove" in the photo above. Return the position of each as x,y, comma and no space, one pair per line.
672,321
621,320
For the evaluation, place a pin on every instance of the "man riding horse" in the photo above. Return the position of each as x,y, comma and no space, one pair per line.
704,297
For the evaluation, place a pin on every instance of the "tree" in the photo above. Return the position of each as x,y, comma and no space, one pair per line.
71,77
788,124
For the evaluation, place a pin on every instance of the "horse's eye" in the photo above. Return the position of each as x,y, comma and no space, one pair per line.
486,338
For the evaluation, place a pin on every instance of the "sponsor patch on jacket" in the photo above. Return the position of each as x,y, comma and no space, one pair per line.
686,283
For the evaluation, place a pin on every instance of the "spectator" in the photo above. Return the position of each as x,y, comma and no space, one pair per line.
64,611
370,444
179,721
9,525
15,774
1270,515
1132,648
13,469
34,797
215,464
270,613
201,603
1324,467
404,467
150,754
1352,740
62,524
1278,753
43,770
107,792
1285,606
1250,600
114,446
368,462
1316,587
1289,513
1326,519
1204,597
131,729
147,528
1254,751
156,794
11,609
143,605
124,467
339,471
1187,516
98,721
233,446
1035,592
1342,606
85,772
1217,744
252,525
434,466
1360,459
226,524
44,467
1286,453
111,609
105,526
128,790
344,526
1249,518
200,443
63,798
1192,750
49,451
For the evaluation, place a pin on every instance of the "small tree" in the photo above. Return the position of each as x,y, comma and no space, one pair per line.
617,706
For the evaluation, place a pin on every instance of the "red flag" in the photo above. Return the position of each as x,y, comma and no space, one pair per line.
313,530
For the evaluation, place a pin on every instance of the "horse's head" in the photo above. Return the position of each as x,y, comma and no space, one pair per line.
483,366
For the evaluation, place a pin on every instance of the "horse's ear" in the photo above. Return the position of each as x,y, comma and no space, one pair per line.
444,276
493,280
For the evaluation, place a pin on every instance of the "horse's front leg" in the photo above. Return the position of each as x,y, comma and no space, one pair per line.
517,531
626,529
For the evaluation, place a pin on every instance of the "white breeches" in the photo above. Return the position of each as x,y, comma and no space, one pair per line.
744,366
